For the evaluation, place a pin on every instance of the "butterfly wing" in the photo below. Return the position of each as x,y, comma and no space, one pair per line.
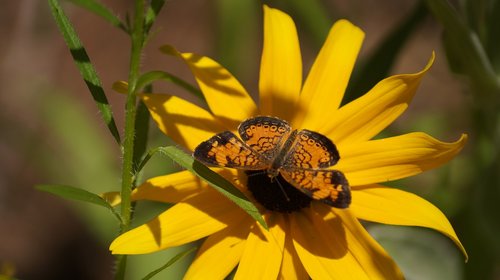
304,168
311,150
226,150
328,186
264,134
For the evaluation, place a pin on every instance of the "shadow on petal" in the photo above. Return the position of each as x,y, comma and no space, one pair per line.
154,227
211,76
224,94
171,188
220,252
261,258
370,255
184,122
318,237
189,220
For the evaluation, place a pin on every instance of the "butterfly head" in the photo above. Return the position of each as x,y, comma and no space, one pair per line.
272,173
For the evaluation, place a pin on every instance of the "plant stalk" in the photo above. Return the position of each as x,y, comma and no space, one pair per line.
137,38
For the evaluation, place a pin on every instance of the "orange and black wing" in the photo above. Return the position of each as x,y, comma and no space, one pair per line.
226,150
328,186
304,168
264,134
311,150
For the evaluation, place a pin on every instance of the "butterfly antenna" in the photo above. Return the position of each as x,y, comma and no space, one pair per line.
282,190
257,173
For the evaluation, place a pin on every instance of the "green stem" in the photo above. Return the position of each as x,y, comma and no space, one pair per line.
130,112
121,263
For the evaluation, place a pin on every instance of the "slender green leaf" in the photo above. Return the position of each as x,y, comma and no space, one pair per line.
85,67
147,157
215,180
152,76
102,11
169,263
378,65
151,14
77,194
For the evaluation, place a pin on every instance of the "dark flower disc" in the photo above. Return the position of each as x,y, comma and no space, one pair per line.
275,194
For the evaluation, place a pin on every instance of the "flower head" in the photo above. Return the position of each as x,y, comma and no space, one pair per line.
305,237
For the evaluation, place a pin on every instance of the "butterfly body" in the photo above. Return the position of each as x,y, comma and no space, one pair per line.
301,157
279,160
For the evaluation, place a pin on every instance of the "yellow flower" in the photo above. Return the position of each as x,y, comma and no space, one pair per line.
313,239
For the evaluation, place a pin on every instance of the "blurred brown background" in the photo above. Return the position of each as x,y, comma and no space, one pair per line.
51,131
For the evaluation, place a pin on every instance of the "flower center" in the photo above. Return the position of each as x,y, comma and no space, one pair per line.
275,194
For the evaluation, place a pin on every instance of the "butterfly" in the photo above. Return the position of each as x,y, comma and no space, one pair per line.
301,157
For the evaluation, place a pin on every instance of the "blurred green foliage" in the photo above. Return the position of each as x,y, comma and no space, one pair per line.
471,38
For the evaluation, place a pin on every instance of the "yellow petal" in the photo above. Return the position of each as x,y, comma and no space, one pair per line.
326,82
170,188
263,251
113,198
281,65
394,158
220,253
227,98
194,218
367,252
322,247
186,123
291,267
120,87
381,204
366,116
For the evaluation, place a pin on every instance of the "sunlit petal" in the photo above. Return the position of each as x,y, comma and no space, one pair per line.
366,116
291,267
194,218
281,65
367,252
220,253
394,158
317,242
184,122
170,188
322,247
227,98
381,204
261,258
326,82
175,187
